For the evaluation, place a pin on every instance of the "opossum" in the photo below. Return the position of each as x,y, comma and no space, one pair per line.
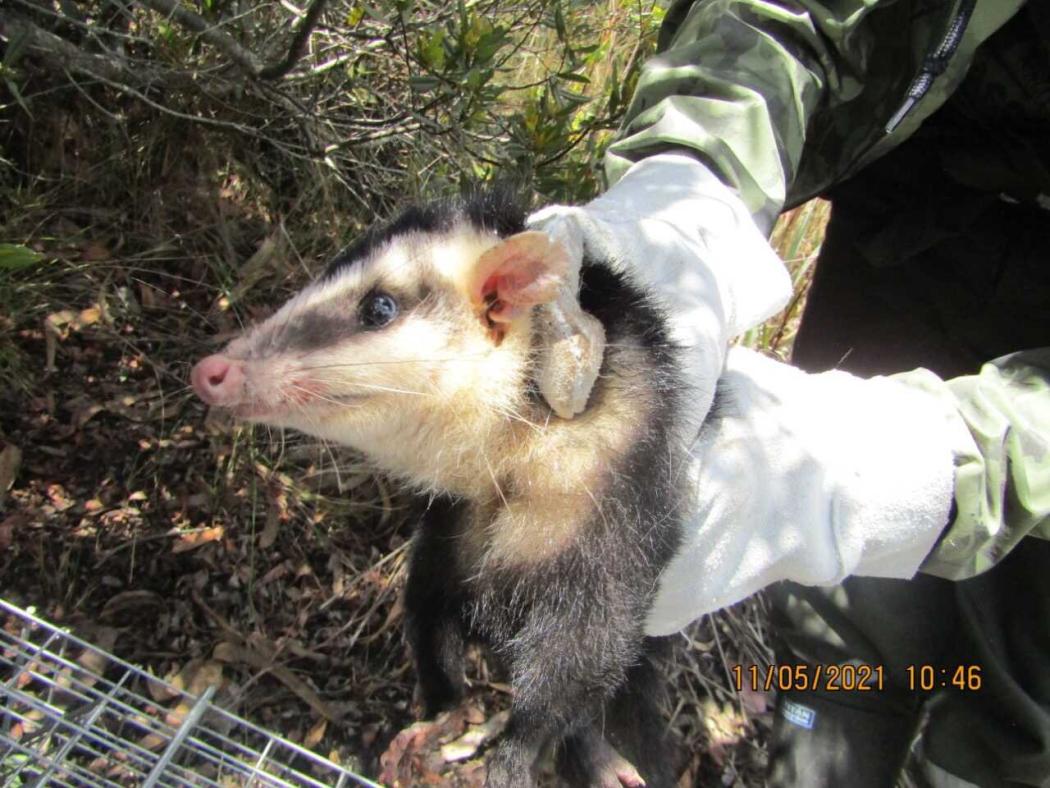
543,538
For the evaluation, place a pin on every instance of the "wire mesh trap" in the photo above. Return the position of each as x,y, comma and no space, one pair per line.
72,714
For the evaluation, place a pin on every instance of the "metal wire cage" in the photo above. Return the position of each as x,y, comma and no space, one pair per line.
62,722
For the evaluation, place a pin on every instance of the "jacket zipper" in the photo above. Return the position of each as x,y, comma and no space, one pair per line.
935,64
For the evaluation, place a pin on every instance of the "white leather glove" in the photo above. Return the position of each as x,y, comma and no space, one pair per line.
678,231
809,478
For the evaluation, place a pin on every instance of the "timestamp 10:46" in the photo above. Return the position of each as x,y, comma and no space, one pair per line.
930,677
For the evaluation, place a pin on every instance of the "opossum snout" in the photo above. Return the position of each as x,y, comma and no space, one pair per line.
219,380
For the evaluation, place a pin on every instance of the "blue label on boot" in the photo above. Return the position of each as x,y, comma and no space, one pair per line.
797,714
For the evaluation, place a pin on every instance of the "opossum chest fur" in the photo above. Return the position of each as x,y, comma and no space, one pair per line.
540,536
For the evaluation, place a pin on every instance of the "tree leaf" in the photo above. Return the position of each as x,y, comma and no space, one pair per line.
11,86
14,257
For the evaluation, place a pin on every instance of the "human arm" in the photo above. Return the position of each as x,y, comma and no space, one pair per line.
813,478
782,100
735,88
1002,476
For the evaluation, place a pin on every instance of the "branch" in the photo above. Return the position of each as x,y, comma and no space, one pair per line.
64,56
298,45
238,54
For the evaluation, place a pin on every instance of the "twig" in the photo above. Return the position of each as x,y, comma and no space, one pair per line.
247,60
66,56
298,45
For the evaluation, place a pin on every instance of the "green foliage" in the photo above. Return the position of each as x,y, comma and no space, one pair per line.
389,99
174,141
532,96
13,257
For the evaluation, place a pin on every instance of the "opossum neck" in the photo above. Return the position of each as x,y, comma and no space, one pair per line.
552,476
452,448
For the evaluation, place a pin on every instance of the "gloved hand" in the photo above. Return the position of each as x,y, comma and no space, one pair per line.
809,478
678,231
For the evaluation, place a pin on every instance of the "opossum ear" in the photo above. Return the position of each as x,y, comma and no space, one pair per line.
518,273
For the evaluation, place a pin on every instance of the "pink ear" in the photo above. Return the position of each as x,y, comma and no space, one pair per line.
519,272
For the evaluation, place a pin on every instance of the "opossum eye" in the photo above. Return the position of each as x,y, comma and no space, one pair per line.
378,309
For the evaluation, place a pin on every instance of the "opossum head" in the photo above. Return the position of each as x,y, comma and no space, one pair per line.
415,347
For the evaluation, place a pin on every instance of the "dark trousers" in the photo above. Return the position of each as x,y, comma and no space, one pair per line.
917,270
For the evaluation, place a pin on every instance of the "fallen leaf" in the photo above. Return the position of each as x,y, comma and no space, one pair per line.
181,680
276,573
95,661
725,727
194,678
194,539
160,691
413,756
58,320
397,612
269,532
84,414
94,252
688,777
58,496
207,674
259,264
88,317
8,526
139,601
10,462
150,296
467,745
753,701
57,326
315,734
254,657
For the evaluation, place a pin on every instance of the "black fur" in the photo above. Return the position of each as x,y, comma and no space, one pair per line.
568,629
495,208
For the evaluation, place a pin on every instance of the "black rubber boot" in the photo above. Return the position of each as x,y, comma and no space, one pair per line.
819,742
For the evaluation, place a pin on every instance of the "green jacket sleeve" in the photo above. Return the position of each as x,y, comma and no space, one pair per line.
1002,475
783,99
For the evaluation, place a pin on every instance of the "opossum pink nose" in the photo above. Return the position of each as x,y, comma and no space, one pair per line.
218,380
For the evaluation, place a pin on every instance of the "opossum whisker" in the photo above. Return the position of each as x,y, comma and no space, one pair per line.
512,415
313,395
598,507
374,386
495,481
392,361
326,448
391,389
427,299
647,345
